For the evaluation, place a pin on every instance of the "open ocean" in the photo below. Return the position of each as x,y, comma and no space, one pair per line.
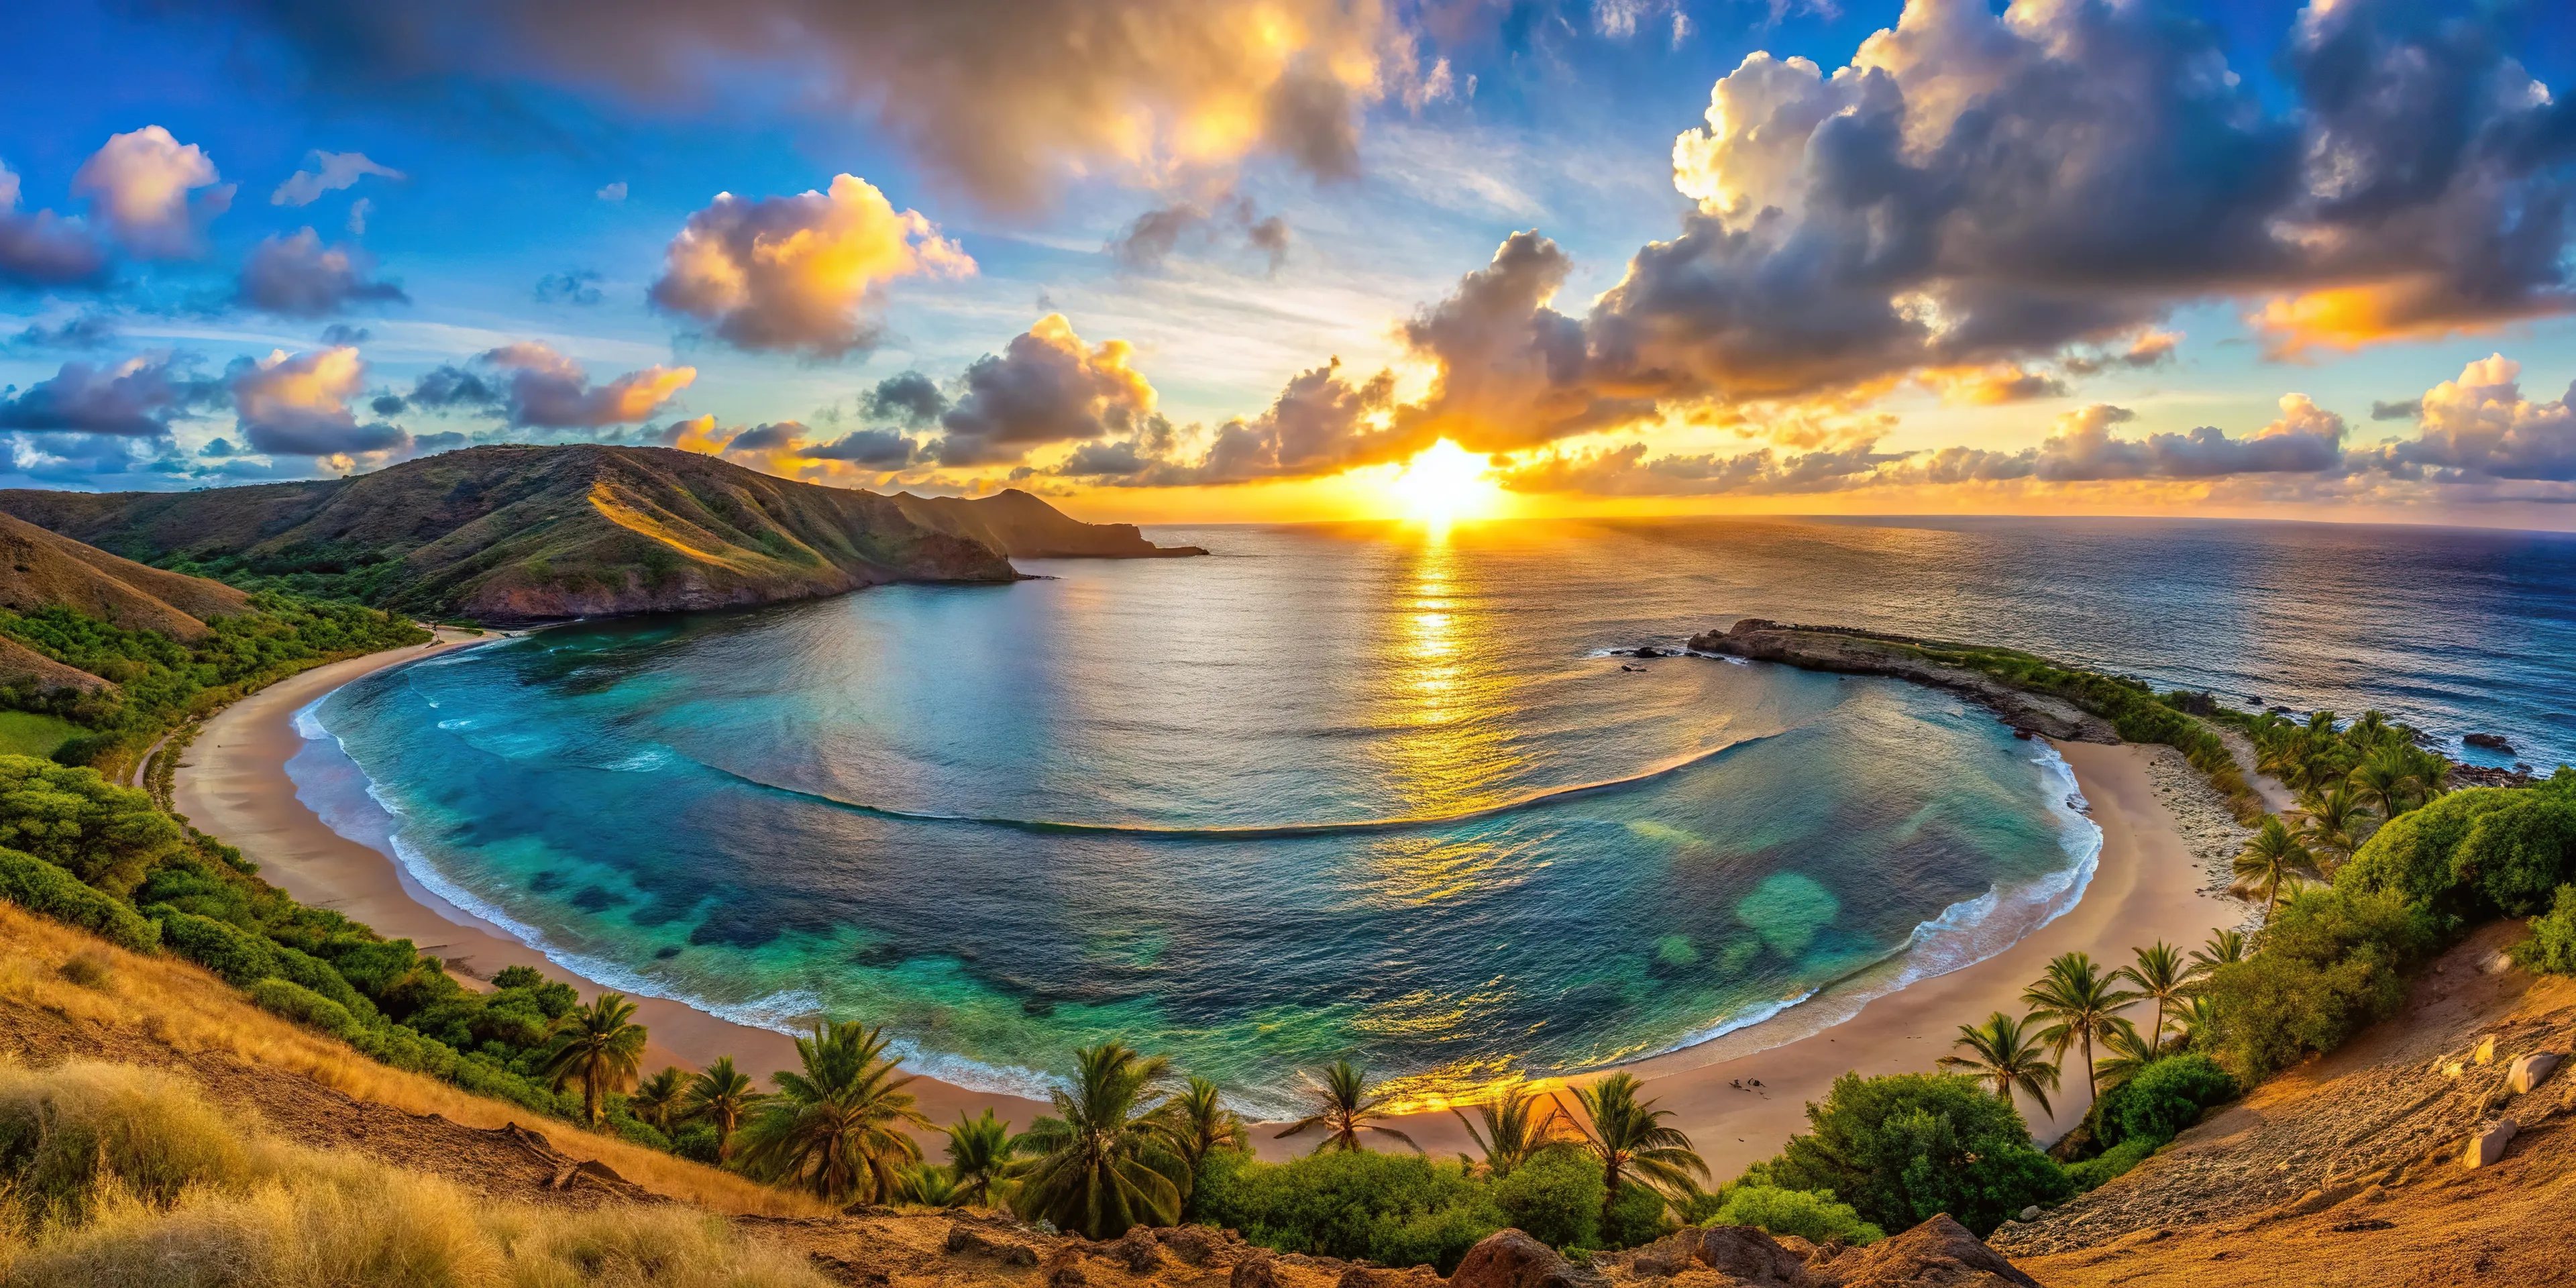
1367,791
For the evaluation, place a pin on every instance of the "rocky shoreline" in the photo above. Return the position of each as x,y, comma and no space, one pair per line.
1853,652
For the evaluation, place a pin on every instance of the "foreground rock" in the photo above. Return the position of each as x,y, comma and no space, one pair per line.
1851,652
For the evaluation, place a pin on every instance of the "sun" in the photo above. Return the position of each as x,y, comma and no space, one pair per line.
1444,482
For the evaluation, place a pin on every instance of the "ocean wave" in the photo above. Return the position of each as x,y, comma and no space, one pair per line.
1257,831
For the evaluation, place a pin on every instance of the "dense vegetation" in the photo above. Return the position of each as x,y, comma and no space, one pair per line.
161,681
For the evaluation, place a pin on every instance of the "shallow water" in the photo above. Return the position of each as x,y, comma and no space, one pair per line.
1347,790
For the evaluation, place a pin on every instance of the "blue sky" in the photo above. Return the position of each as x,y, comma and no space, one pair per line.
544,175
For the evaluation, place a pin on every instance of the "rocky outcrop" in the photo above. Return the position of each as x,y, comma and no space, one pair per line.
1851,652
1940,1253
2489,741
1511,1259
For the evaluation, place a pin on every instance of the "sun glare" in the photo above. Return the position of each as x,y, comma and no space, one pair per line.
1445,482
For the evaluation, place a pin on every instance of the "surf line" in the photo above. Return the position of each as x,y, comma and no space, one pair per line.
1257,831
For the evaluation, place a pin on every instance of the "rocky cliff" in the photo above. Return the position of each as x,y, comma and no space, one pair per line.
1024,527
520,534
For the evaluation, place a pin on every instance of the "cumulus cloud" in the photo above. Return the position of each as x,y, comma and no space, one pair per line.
1514,372
612,193
133,399
799,274
297,276
875,449
2481,427
41,248
908,398
331,172
1046,386
1000,98
86,330
138,184
547,390
1233,222
2306,439
298,405
1321,423
1626,471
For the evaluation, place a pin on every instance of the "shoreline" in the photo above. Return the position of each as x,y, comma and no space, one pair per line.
2147,884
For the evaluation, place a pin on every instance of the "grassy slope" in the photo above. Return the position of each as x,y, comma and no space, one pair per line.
28,733
509,533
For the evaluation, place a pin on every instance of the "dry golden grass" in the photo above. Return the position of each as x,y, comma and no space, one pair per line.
181,1006
119,1176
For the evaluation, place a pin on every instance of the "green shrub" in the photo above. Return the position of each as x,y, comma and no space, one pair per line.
1554,1198
303,1005
2410,855
312,972
2552,946
1637,1216
1904,1148
106,835
1393,1209
2330,964
1813,1216
2518,856
2093,1172
240,957
41,887
2161,1100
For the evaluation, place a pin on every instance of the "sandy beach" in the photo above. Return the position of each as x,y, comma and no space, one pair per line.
2148,886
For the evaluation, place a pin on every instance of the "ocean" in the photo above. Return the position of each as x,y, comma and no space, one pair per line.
1367,790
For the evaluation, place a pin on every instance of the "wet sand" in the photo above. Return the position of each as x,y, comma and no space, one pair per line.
234,785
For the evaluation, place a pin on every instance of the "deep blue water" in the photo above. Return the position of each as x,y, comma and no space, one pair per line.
1365,791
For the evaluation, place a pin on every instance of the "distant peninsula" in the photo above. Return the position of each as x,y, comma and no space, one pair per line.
512,535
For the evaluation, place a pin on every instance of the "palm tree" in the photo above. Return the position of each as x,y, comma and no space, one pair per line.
2159,974
657,1098
2005,1051
835,1130
1107,1163
2270,857
2129,1052
1199,1124
596,1047
723,1096
2333,825
2369,729
2225,948
2197,1018
1517,1126
979,1153
930,1185
1629,1136
1344,1104
2082,1004
2389,779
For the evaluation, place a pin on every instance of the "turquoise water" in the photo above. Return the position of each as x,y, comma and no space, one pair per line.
1330,792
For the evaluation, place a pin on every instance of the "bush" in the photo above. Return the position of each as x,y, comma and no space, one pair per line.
1813,1216
70,1131
240,957
2518,856
1905,1148
2330,964
2165,1098
302,1005
2092,1173
1636,1217
2552,946
106,835
41,887
2410,855
88,969
1393,1209
1554,1198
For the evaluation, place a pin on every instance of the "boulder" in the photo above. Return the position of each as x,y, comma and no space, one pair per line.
1357,1277
1195,1244
2486,1144
1255,1271
1940,1253
1748,1255
1137,1250
2490,741
2530,1071
1511,1259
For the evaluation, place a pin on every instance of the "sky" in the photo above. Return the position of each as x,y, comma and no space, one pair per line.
1214,260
